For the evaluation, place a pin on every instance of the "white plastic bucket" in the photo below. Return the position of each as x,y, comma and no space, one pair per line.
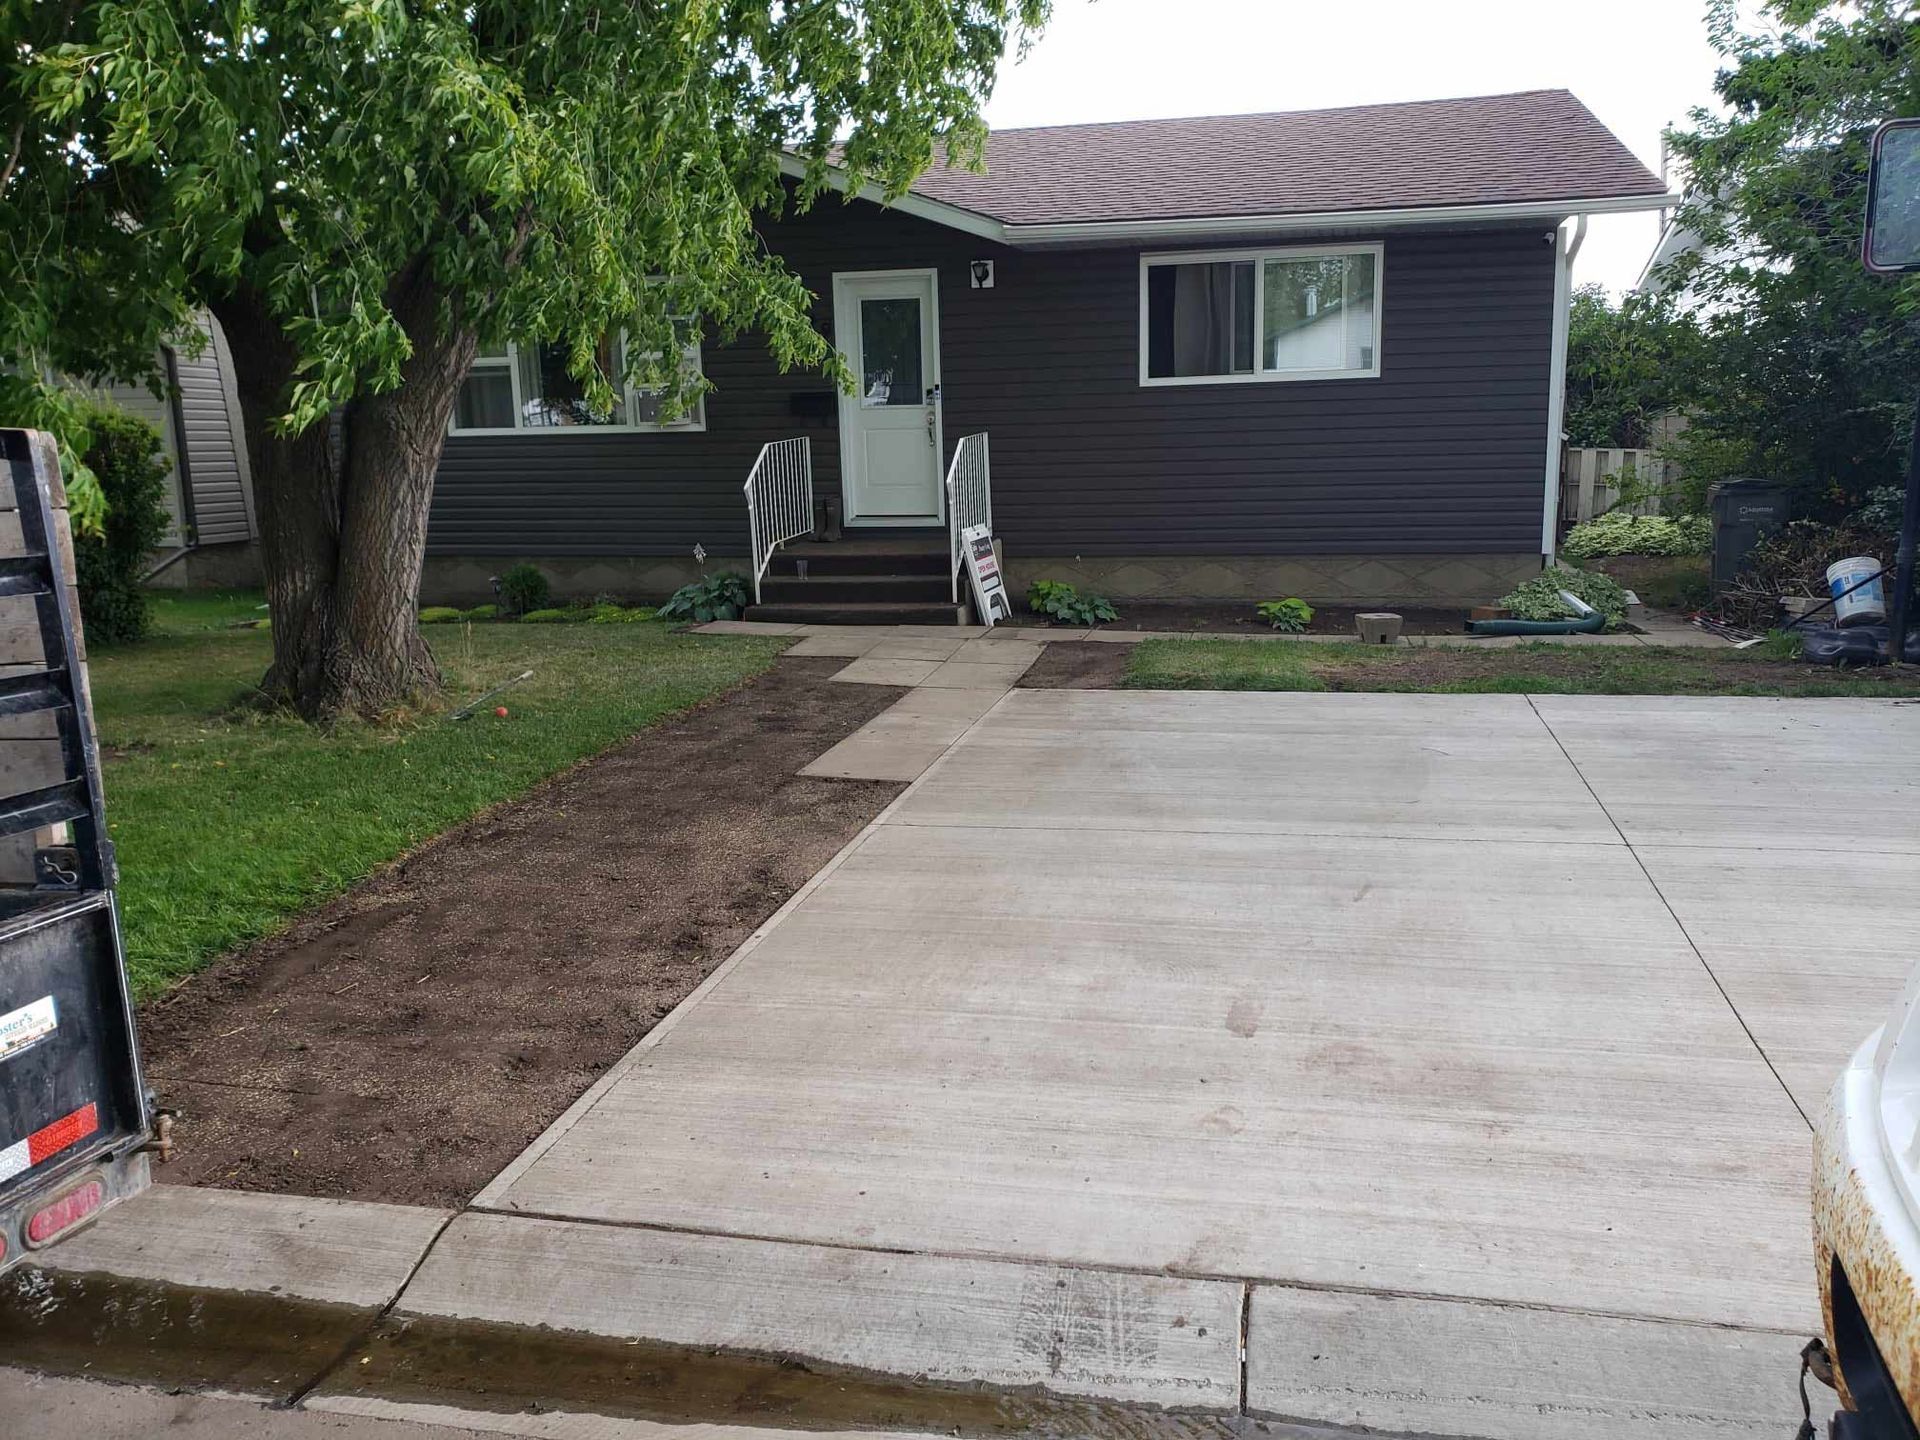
1866,605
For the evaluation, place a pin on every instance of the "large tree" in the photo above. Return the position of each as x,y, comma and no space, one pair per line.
1628,364
365,192
1810,364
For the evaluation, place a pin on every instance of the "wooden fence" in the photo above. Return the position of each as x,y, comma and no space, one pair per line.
1591,482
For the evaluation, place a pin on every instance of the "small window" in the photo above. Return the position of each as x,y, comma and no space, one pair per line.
531,387
486,400
1268,315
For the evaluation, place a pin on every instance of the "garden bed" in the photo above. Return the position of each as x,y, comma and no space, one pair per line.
404,1041
1236,617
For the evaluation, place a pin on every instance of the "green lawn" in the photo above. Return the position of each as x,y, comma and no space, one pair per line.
228,821
1538,669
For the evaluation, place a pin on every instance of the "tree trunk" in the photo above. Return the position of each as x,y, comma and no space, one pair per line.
343,515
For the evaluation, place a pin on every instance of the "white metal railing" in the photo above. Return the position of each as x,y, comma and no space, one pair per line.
779,493
969,498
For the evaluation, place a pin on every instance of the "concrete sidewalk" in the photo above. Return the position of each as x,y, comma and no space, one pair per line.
1432,1064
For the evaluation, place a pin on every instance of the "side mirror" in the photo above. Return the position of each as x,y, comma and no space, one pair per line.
1891,244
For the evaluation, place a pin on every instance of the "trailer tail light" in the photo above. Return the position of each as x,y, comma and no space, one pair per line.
58,1216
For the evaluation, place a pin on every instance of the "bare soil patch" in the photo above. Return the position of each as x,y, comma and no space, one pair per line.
404,1042
1236,617
1086,665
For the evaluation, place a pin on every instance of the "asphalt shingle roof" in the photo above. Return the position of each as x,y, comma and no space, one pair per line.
1538,145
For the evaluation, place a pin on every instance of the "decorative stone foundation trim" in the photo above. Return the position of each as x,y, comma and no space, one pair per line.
1320,579
468,579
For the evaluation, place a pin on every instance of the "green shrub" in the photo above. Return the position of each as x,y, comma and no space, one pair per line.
439,615
552,616
1061,602
605,614
1291,614
127,461
481,612
1619,534
712,597
523,589
1539,598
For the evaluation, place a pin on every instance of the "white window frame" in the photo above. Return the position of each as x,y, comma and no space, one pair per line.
1258,376
692,421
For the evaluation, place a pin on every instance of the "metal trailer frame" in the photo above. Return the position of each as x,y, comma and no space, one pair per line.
75,1112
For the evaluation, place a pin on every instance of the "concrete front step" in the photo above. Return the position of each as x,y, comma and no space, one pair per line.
857,590
855,613
817,560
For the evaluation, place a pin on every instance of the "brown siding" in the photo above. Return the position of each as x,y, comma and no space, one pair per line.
1440,455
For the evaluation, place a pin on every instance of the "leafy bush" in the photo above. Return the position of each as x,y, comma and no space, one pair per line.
1539,598
481,612
607,614
1620,534
1882,510
439,615
1291,614
1061,602
125,457
523,588
711,597
552,616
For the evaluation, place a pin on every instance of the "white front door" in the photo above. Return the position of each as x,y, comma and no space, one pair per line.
887,326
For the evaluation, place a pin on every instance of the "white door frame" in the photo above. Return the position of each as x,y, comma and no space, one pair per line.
846,328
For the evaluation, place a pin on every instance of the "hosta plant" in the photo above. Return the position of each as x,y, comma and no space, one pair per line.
712,597
1291,614
1060,602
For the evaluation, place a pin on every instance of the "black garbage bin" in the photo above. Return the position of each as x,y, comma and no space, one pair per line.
1743,512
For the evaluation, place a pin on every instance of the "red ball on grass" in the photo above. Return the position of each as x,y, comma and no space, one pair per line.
501,711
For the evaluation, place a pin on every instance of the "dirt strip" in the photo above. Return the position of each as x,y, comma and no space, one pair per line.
405,1041
1089,665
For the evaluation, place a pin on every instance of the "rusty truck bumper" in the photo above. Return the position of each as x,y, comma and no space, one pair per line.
1867,1250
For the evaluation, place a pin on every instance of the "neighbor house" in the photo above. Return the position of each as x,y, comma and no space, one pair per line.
212,535
1318,353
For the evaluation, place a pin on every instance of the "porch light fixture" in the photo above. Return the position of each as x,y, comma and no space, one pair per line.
982,274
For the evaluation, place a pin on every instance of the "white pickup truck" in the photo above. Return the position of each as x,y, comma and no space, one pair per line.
1866,1227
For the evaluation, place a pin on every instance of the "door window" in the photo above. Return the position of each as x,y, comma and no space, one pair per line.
890,353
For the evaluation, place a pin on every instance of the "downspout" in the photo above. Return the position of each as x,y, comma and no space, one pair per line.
1564,252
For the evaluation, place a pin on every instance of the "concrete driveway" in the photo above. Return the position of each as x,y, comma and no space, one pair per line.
1450,1054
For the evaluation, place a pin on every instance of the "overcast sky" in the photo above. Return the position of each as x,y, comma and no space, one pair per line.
1639,65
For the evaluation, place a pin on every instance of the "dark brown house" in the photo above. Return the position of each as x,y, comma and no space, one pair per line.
1317,353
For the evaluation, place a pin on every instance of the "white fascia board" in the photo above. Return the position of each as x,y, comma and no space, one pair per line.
1230,226
1551,212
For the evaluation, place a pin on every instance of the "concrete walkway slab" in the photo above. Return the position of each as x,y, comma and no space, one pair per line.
1436,1367
873,670
849,647
903,740
341,1252
746,627
997,674
917,649
1144,1339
